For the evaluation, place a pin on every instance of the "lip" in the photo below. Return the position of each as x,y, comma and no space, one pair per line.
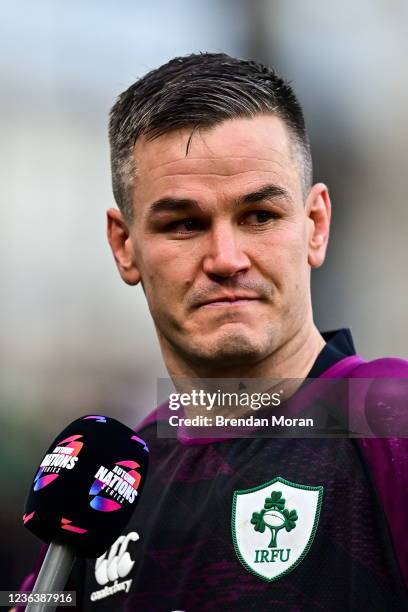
229,301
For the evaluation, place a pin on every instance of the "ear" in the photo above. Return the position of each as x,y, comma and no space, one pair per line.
318,210
121,245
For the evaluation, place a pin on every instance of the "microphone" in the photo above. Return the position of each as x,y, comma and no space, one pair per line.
83,495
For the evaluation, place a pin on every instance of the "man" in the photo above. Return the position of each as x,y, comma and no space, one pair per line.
221,224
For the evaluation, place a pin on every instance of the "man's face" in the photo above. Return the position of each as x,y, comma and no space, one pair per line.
221,240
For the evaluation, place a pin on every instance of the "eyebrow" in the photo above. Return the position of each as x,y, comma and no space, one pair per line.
267,192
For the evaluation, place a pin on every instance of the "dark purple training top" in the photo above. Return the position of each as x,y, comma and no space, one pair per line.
291,524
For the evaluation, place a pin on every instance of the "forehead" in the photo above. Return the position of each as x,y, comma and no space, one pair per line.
228,157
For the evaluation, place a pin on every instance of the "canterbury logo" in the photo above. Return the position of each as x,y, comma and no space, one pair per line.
116,563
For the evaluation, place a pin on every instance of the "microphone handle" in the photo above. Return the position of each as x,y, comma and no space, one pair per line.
53,575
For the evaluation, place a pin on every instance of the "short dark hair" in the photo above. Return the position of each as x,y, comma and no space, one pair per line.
199,90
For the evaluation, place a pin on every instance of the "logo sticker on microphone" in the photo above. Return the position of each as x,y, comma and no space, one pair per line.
113,488
63,457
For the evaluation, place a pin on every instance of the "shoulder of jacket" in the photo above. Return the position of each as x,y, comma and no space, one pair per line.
384,367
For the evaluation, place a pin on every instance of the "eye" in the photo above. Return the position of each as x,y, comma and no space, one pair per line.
185,226
259,217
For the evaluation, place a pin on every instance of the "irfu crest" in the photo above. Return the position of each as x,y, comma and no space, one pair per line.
273,526
275,516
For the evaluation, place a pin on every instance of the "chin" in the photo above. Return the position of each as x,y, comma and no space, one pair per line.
233,348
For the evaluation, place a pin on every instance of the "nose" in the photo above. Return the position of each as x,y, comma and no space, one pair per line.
224,257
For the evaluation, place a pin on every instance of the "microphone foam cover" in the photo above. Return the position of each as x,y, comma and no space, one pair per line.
87,485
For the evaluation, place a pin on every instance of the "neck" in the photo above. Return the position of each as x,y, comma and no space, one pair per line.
292,359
